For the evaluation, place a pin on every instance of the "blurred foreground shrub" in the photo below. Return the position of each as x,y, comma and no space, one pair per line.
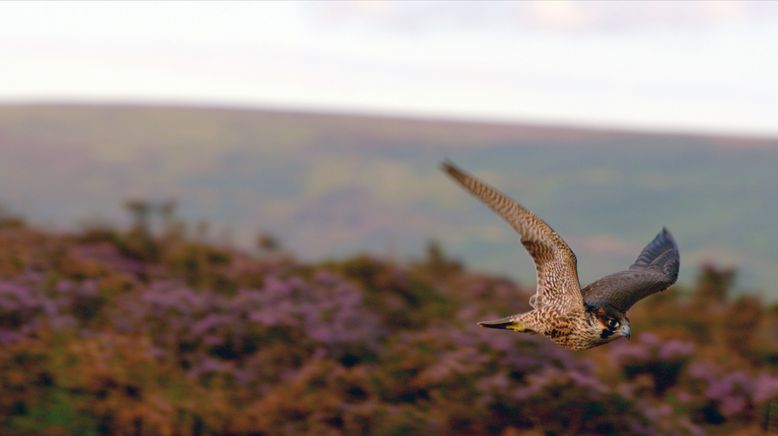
144,332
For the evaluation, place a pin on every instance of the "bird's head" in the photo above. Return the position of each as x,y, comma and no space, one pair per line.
608,323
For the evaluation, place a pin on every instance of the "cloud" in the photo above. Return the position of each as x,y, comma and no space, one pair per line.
689,66
556,16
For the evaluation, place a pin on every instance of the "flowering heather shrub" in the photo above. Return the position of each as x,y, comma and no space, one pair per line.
29,306
575,402
661,359
123,333
730,395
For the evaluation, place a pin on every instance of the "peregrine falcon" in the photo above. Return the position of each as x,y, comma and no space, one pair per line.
575,318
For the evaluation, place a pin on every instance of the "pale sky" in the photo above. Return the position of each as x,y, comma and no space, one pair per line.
697,66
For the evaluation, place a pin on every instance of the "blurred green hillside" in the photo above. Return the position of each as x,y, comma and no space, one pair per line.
332,185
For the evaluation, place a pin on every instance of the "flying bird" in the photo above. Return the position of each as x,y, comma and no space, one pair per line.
575,318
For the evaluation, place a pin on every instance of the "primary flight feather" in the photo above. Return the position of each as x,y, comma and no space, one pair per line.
572,317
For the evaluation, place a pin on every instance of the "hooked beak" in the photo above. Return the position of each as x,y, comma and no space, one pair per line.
626,332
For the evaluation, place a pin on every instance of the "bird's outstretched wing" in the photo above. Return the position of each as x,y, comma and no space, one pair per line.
654,270
555,262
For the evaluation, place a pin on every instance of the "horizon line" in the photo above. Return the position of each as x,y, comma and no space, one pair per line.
399,115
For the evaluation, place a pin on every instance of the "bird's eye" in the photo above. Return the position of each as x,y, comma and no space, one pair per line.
613,323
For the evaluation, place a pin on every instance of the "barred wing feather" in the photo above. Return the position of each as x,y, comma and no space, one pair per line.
555,262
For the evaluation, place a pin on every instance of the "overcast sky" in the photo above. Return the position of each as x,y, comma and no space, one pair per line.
691,66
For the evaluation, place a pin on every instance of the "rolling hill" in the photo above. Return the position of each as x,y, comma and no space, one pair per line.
334,184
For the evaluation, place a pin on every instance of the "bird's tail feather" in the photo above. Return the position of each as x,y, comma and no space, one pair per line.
507,323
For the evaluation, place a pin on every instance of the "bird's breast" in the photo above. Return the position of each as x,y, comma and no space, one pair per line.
569,332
